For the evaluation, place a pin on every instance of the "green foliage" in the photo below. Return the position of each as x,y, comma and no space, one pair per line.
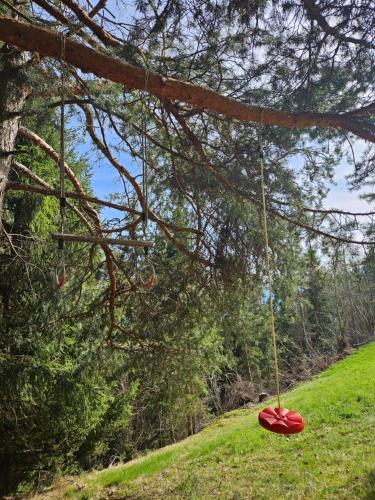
199,342
60,403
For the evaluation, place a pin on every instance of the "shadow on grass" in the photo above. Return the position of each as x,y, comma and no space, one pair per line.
368,487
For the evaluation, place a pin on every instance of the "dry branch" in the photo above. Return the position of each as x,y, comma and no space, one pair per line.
315,13
45,189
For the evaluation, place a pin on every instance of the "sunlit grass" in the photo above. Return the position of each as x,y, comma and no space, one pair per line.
333,457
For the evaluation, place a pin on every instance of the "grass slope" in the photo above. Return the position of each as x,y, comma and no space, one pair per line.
334,457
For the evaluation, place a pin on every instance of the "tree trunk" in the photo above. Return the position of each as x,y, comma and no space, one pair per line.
14,90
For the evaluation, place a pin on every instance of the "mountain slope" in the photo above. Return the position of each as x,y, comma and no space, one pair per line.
334,457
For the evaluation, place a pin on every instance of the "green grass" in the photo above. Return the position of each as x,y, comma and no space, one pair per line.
334,457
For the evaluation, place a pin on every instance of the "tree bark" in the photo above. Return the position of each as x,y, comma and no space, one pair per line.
48,43
14,90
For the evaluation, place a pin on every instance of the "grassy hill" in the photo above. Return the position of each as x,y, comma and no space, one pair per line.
334,457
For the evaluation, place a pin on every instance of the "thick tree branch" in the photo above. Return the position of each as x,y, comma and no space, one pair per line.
107,241
100,5
53,11
29,37
57,14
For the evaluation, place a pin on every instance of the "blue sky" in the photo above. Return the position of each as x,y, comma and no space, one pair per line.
340,196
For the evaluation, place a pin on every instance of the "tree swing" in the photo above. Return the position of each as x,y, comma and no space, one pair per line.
279,420
59,276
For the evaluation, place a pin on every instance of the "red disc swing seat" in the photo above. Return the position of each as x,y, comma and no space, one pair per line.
281,420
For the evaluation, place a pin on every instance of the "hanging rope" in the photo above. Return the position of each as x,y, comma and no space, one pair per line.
144,154
269,269
150,281
279,420
60,276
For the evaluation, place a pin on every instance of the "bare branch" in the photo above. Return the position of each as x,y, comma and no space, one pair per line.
86,19
46,189
315,13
